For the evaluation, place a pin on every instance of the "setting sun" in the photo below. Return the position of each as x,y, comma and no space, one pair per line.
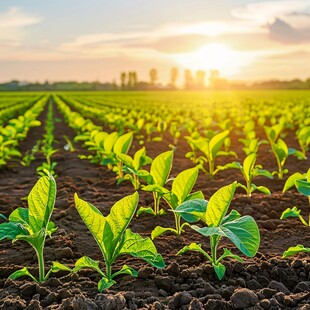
212,56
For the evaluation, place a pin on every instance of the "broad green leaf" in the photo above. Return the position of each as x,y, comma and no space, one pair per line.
248,165
244,233
303,187
126,159
9,230
158,230
123,143
216,143
233,165
138,158
209,231
195,195
109,230
41,201
110,141
233,215
192,210
220,270
219,204
290,182
294,212
281,150
295,250
184,183
263,189
87,262
21,273
20,215
161,167
264,173
143,248
104,283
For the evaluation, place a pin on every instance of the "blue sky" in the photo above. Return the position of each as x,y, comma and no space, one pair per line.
96,40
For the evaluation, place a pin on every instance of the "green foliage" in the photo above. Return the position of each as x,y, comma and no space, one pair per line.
211,148
181,189
242,231
33,225
115,239
249,170
156,180
295,250
132,167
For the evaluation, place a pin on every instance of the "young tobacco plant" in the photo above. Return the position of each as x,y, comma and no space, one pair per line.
181,189
33,225
115,239
302,184
156,180
279,149
242,231
132,167
249,170
211,148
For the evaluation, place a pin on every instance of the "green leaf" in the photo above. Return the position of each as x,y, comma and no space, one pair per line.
184,183
20,215
138,158
155,188
161,167
219,204
148,210
158,230
194,247
216,143
41,201
87,262
233,215
290,182
281,150
192,210
294,212
123,143
109,230
126,270
227,253
303,187
244,233
295,250
233,165
126,159
110,141
104,283
143,248
264,173
56,266
9,230
220,270
263,189
21,273
248,166
195,195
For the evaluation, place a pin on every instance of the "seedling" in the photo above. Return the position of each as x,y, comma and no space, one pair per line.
132,167
211,149
33,225
242,231
249,170
303,136
115,239
182,185
156,180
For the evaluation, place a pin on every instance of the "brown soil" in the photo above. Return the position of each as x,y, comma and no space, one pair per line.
188,282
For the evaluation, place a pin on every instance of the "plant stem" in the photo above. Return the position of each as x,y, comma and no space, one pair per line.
41,264
213,249
211,167
177,219
156,202
109,271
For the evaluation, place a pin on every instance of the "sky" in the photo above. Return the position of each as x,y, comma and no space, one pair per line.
95,40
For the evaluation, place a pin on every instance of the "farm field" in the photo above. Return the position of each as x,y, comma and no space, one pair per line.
88,142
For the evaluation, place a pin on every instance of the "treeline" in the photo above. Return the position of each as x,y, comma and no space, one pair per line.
191,80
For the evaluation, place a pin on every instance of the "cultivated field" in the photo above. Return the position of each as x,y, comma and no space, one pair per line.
211,195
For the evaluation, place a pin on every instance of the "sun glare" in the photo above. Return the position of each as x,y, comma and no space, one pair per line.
214,56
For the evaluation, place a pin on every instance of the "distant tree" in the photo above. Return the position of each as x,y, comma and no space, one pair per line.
153,76
188,78
214,76
123,79
174,73
200,78
132,79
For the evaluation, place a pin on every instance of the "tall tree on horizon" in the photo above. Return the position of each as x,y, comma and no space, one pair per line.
174,73
153,76
123,79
